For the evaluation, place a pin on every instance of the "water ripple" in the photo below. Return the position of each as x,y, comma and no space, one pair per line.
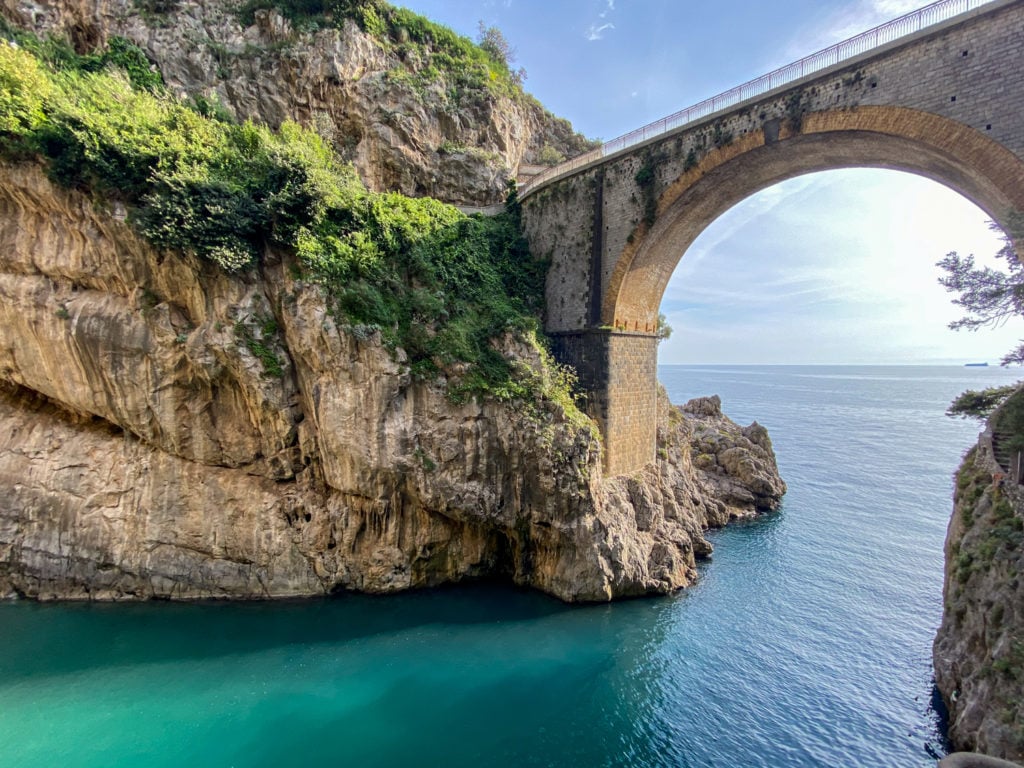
806,641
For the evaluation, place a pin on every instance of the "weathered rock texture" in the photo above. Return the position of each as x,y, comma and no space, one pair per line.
146,452
433,141
979,649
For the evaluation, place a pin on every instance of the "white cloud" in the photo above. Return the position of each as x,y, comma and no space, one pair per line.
831,268
893,8
870,14
725,227
596,30
826,30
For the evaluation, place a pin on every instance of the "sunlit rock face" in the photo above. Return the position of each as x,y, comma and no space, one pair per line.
145,451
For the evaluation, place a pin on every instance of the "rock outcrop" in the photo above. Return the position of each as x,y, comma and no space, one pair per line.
403,135
979,649
149,448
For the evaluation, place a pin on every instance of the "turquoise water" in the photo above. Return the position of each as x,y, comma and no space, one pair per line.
806,643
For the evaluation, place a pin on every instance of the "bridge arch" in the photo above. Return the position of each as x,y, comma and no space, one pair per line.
937,93
897,138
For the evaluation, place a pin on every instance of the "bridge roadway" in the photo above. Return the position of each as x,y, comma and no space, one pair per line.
938,92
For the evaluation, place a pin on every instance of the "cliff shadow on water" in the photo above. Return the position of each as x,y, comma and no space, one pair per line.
101,635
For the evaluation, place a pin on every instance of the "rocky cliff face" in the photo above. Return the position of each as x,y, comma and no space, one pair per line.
167,430
401,134
979,649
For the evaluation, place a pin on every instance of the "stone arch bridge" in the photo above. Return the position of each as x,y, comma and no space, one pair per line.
939,92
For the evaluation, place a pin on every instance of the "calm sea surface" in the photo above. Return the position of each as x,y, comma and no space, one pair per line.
806,643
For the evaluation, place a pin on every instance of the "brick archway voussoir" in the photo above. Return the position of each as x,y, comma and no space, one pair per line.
897,138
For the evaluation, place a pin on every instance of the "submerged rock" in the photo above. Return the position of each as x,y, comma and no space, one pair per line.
147,451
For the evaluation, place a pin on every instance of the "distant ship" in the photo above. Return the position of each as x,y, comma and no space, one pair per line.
975,365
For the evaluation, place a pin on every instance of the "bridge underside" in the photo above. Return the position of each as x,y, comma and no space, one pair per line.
896,138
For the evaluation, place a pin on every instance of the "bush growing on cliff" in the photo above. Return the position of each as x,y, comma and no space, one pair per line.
24,86
57,54
437,283
1008,420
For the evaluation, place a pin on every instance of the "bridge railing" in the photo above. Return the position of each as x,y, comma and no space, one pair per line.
847,49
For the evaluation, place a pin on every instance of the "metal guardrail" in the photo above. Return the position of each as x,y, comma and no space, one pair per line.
893,30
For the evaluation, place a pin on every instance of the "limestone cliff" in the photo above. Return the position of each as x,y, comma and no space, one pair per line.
148,448
979,649
404,131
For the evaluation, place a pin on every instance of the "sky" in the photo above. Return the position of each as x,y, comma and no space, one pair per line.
828,268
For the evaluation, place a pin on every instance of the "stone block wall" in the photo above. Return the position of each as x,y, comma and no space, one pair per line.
618,371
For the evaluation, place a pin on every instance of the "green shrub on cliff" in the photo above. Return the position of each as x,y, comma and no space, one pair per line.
1002,406
435,282
1008,421
57,54
24,86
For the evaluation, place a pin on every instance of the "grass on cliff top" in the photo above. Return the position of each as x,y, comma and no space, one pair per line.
434,282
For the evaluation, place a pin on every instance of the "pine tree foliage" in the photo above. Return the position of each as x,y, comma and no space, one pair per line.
989,296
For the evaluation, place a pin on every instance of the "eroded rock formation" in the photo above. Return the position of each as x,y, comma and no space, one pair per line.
167,430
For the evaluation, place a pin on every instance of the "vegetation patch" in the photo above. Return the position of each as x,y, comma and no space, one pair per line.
260,342
550,156
691,160
795,109
1008,420
720,137
451,148
57,54
1011,663
993,532
438,284
424,459
646,179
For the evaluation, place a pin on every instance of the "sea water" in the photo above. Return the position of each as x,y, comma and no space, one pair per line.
807,641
